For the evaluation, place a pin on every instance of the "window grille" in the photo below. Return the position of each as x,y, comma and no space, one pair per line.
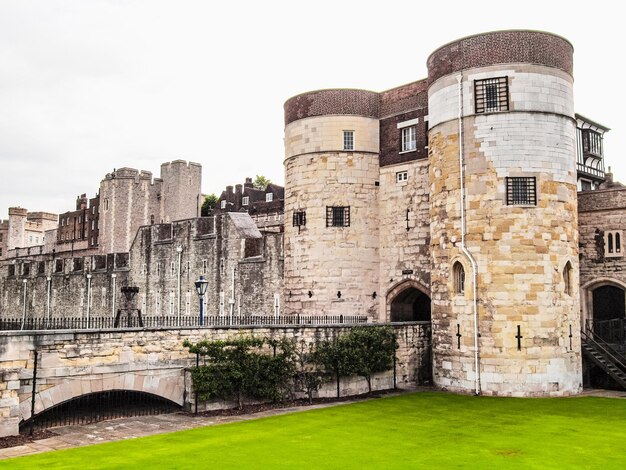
299,219
348,140
337,216
491,94
409,139
521,191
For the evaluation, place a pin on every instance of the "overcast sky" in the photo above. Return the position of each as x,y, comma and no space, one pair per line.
88,86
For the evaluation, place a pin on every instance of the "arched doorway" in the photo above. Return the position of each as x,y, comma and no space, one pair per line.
609,303
409,303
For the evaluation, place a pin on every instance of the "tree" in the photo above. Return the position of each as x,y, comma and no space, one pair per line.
261,182
307,377
369,350
208,205
238,367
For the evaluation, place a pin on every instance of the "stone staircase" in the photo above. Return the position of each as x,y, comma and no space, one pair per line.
605,357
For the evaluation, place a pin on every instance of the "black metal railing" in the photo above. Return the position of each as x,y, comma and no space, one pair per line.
101,406
78,323
611,332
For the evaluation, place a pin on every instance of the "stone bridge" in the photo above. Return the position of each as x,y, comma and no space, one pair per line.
80,362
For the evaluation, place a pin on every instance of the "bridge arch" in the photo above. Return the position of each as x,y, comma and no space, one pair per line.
165,384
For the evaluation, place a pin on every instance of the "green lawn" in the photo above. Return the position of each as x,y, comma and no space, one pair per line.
427,430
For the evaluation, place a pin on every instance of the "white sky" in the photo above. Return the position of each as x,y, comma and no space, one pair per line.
88,86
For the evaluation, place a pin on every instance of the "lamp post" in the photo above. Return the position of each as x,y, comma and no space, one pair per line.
201,286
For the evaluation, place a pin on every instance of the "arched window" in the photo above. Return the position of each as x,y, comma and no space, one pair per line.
458,273
610,242
567,278
618,243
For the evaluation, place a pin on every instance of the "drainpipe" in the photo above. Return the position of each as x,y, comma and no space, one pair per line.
463,247
113,276
88,300
24,309
231,301
49,279
179,250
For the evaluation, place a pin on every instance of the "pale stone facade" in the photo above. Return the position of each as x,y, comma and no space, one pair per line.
332,270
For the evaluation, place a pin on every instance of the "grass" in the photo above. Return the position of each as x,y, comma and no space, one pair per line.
426,430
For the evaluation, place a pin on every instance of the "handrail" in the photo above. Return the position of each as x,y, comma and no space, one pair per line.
608,351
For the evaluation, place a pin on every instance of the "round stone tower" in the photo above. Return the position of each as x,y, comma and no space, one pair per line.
331,206
503,215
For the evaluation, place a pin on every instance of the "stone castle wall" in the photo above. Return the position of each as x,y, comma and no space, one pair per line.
404,230
337,265
74,363
600,211
521,251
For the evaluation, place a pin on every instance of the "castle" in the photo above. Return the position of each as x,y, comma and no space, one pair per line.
453,199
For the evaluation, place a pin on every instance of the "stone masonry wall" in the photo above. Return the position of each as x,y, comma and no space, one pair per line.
337,265
74,363
600,211
404,245
521,251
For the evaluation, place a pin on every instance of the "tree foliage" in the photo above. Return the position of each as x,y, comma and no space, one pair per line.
239,367
261,182
208,205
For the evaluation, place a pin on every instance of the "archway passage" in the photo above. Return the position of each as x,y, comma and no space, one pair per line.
608,303
410,305
101,406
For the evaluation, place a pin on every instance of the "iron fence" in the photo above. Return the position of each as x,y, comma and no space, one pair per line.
78,323
100,406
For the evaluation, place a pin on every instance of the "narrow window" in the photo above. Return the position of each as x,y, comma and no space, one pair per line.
204,266
567,278
223,204
409,139
337,216
402,176
521,191
491,95
348,140
299,219
173,268
458,272
613,244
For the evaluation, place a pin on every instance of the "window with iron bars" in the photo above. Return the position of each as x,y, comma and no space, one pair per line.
491,94
337,216
521,191
299,219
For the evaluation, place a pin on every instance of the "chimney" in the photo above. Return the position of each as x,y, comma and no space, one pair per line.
248,183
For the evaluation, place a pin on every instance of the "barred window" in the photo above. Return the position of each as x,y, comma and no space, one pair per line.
299,219
348,140
337,216
409,139
491,94
521,191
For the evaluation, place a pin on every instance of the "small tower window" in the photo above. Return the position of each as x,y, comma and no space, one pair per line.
491,95
567,278
299,218
458,272
613,243
348,140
